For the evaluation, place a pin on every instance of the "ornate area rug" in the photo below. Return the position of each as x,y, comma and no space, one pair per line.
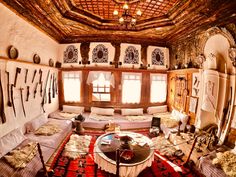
84,165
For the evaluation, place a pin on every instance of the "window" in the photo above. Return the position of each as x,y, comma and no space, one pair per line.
71,85
158,87
101,82
131,87
101,89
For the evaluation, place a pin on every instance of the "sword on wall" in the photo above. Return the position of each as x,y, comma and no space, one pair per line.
44,94
12,99
8,90
3,116
22,101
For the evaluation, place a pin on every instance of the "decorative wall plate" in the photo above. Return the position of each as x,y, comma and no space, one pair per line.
51,62
12,52
36,58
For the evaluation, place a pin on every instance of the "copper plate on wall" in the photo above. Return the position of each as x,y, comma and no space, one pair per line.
51,62
36,59
12,52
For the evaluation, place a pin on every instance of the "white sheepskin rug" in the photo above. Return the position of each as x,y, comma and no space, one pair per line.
227,162
77,145
19,157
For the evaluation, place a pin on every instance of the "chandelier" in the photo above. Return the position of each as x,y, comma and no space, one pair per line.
126,18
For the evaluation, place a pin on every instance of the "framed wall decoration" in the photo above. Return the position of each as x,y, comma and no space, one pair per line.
158,57
193,104
100,54
131,55
71,54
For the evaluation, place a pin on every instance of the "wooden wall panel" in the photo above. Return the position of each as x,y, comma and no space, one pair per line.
171,99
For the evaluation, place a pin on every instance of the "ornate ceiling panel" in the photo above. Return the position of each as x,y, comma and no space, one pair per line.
161,21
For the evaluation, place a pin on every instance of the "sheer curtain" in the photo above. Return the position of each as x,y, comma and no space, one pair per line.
158,87
101,75
72,85
131,87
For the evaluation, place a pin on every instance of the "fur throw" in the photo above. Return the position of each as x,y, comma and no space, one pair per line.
100,117
163,145
67,115
19,157
77,145
226,161
47,130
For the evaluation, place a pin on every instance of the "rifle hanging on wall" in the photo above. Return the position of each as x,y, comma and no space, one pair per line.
49,90
40,82
44,94
8,90
2,114
53,85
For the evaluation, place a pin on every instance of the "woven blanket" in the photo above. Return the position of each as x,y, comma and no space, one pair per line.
226,161
135,118
47,129
100,117
77,145
19,157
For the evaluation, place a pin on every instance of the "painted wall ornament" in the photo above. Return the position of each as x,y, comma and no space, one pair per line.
232,55
211,61
100,54
157,57
131,55
71,54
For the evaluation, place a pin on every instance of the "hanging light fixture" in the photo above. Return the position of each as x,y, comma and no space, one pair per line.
126,18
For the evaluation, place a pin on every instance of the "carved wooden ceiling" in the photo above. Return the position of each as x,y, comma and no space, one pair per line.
162,21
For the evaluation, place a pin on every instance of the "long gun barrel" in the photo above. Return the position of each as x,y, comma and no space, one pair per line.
44,94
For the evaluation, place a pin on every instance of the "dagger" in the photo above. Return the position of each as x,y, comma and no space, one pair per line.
35,90
27,94
22,101
26,73
2,114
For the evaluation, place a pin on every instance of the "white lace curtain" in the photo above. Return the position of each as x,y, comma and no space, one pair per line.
158,87
95,75
72,85
131,87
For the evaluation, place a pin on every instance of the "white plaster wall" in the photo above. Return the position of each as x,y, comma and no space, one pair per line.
165,50
28,40
62,49
219,46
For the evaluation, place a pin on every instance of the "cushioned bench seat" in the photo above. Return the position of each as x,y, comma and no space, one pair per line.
124,123
52,141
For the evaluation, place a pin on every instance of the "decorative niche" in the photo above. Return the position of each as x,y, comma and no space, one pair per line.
70,54
158,57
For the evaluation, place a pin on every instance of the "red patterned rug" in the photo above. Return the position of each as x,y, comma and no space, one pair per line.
85,166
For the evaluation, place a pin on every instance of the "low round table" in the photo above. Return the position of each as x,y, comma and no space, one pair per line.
105,154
